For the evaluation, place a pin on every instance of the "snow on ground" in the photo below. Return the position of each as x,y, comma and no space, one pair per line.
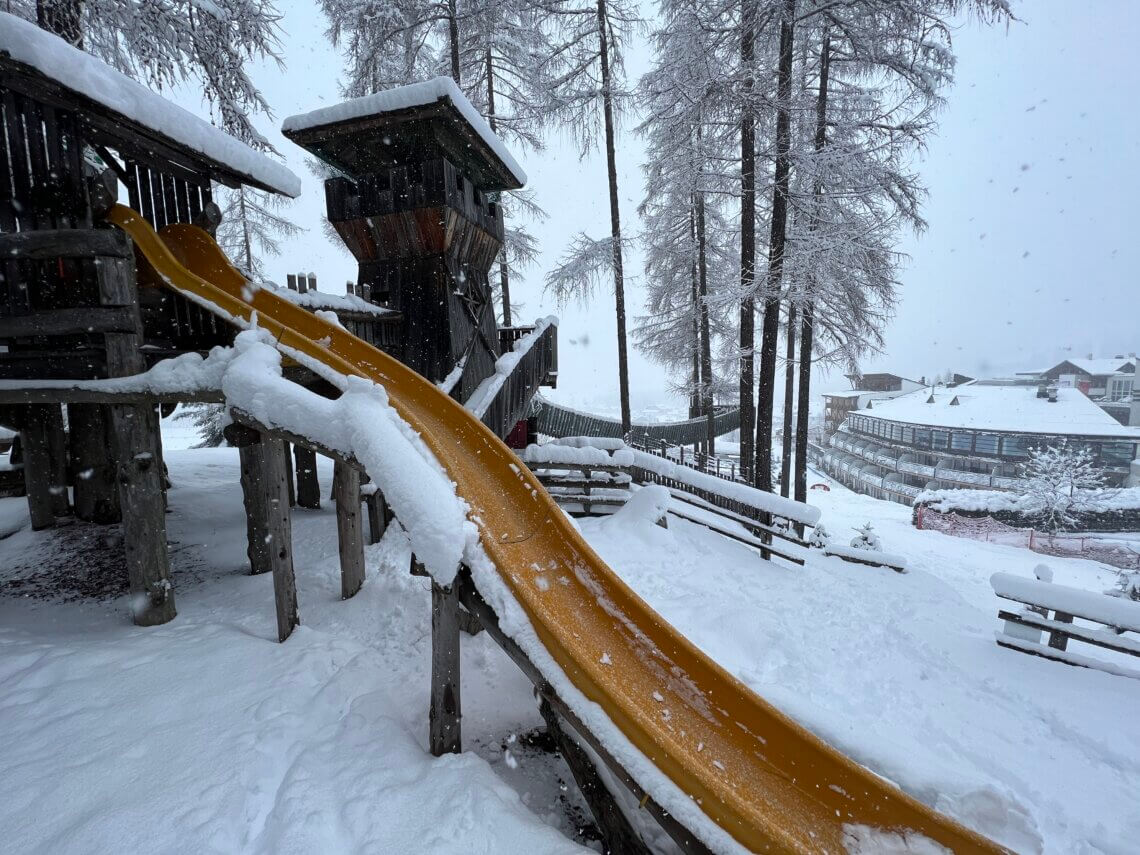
205,735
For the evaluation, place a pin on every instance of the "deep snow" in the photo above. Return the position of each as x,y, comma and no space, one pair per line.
204,735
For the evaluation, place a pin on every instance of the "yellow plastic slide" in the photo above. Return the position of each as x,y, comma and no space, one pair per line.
764,779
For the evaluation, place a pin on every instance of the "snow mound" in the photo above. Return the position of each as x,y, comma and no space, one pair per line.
647,505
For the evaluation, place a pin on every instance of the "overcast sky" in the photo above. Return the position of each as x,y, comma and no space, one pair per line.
1031,250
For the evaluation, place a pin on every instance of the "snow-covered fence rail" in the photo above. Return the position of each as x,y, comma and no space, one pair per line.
763,514
583,481
1112,618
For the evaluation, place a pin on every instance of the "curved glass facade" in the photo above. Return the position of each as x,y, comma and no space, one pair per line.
1001,447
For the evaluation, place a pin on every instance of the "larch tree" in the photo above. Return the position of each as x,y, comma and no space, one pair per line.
687,179
872,78
585,86
252,229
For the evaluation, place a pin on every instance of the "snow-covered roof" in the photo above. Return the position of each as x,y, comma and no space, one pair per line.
403,98
83,73
1008,409
1099,367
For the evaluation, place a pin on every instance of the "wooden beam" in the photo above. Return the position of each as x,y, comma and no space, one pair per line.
280,537
243,418
471,599
308,488
350,532
445,713
73,321
617,833
89,393
50,244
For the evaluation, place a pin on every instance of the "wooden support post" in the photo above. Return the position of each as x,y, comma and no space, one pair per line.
1058,640
377,508
444,717
308,488
280,536
144,517
350,532
255,496
57,449
617,833
36,449
93,467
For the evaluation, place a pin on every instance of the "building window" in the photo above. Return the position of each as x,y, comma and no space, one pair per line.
961,441
896,432
1116,454
908,435
1120,388
986,443
1015,446
941,439
922,437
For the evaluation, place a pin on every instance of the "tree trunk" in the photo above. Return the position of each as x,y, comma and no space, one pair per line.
453,36
769,337
706,338
246,242
807,330
694,296
504,280
615,219
64,18
747,235
789,401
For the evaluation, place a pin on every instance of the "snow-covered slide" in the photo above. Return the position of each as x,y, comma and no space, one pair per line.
731,768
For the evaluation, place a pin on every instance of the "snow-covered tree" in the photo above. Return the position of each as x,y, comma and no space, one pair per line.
688,239
1061,481
166,43
866,538
252,228
209,419
585,91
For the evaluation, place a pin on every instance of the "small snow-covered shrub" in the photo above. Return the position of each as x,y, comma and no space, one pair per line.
819,538
1127,585
866,539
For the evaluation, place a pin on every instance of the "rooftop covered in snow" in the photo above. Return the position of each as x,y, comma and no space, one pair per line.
407,124
1007,409
127,116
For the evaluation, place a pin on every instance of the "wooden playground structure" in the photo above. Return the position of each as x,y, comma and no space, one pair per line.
87,311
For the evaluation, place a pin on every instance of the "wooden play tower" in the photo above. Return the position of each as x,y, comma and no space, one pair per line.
81,319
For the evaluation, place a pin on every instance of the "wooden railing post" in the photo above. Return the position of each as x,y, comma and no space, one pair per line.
350,534
445,712
280,537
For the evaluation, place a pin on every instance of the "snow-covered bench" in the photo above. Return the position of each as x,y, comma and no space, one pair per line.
870,557
1023,629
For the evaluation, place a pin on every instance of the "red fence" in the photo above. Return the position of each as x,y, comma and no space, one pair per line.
1104,548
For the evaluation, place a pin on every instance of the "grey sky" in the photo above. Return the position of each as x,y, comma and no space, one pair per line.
1031,245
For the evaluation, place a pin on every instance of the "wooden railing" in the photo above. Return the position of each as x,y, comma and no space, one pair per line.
512,400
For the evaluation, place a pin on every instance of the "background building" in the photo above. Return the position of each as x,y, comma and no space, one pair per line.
971,436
